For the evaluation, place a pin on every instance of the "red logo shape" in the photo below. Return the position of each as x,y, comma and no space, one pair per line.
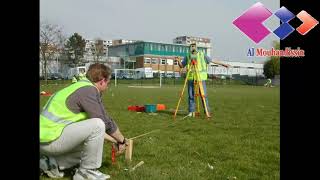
308,22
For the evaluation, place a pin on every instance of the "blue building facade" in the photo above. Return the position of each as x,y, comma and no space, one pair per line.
158,56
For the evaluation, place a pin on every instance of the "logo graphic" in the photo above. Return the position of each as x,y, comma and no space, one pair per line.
250,22
285,28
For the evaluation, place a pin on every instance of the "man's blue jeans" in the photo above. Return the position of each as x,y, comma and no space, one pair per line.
191,102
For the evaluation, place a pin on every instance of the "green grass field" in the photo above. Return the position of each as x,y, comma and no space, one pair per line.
241,141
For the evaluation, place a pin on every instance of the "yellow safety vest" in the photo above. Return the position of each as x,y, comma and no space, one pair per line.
74,79
202,67
55,115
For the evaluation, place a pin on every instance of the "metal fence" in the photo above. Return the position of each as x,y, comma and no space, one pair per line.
165,81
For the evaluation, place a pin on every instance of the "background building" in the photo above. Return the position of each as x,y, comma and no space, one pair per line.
201,42
122,41
133,54
158,56
237,69
91,49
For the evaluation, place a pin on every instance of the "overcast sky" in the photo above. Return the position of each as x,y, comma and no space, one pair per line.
162,21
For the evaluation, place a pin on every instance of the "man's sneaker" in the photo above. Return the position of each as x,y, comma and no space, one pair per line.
191,114
49,166
89,174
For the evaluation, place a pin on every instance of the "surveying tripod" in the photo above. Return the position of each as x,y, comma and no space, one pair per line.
198,89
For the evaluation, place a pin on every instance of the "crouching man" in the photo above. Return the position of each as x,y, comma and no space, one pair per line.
73,126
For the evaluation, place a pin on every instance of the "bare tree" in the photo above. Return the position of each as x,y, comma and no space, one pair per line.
98,49
51,43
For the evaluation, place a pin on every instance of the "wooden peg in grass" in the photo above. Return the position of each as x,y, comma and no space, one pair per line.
129,149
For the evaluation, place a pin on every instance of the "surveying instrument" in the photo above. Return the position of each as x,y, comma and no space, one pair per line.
198,87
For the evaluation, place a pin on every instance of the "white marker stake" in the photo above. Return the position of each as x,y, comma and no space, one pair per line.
139,164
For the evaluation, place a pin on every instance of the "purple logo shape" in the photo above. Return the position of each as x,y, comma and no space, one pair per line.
250,22
285,29
284,14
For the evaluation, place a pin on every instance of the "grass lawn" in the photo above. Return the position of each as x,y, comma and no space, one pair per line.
241,141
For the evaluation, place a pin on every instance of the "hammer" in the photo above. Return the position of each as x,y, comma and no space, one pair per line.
129,148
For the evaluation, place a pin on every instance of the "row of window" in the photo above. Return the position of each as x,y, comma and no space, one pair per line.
91,40
89,49
171,48
162,61
93,53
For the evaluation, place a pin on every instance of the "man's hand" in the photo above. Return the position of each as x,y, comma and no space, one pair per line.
222,64
227,65
122,147
177,58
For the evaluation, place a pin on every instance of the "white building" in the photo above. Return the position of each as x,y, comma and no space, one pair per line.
237,68
90,50
122,41
201,42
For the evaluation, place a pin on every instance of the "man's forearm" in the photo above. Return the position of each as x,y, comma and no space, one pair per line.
117,135
178,59
109,138
220,63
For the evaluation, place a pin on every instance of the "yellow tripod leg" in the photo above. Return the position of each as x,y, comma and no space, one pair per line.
203,99
181,95
196,94
196,97
202,94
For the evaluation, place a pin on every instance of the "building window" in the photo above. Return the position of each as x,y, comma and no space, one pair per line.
147,60
154,61
173,48
163,61
170,62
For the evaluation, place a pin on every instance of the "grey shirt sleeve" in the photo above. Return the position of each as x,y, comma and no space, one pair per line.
184,61
206,58
87,99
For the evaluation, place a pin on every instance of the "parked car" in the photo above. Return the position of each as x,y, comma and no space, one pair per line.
55,76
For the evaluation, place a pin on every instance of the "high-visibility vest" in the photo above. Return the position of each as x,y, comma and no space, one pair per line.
55,115
201,65
269,80
74,79
81,76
